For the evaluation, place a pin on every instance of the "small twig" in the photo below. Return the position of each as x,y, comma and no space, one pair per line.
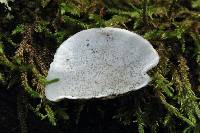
144,11
22,111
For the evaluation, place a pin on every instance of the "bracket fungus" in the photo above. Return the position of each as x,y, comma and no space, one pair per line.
100,63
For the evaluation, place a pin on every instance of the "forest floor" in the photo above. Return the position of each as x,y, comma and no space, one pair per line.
31,31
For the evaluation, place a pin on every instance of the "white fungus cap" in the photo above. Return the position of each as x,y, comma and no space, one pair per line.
100,62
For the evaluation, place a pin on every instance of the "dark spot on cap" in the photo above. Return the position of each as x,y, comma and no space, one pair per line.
94,51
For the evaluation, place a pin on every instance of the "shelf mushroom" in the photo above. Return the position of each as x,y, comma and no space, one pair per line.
100,63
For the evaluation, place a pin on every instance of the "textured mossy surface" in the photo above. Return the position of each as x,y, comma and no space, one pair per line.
31,31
